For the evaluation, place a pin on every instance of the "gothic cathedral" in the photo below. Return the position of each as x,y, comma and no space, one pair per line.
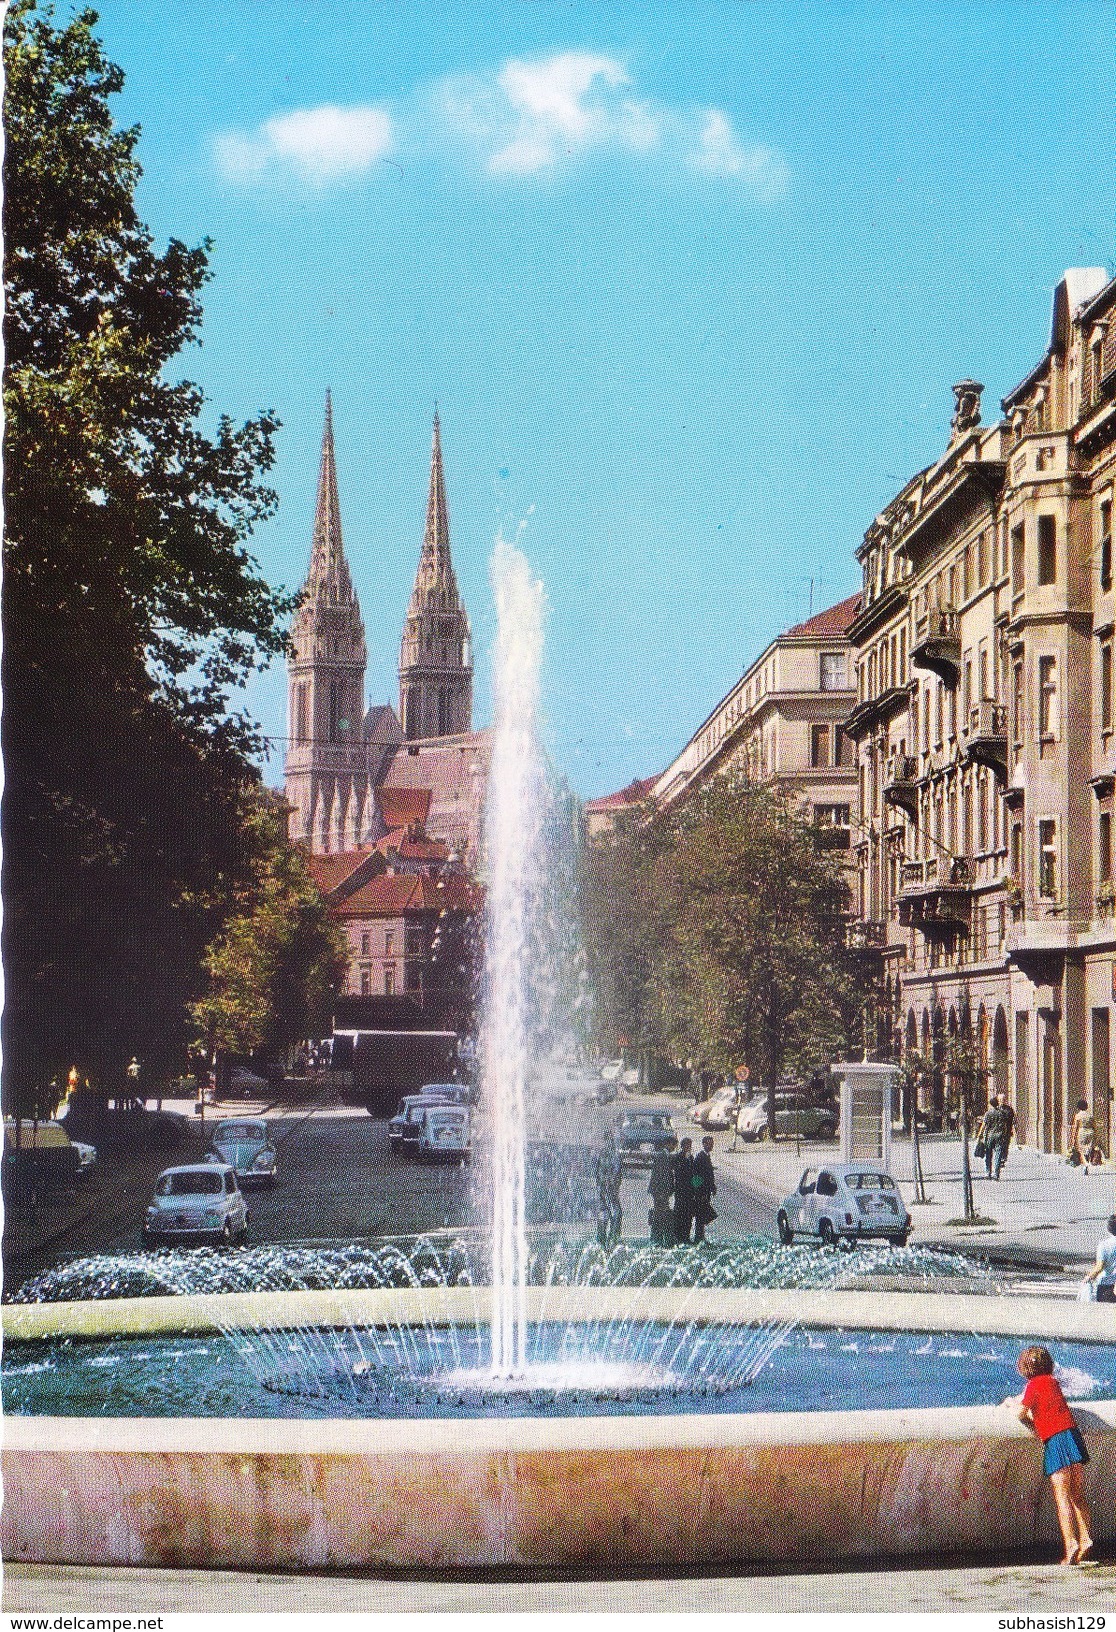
340,755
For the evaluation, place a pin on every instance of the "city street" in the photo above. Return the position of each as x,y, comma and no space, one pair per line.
339,1180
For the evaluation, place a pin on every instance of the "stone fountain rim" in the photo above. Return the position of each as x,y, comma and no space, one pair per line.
984,1314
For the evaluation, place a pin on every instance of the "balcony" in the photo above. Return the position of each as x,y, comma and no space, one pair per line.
937,644
986,736
901,784
936,896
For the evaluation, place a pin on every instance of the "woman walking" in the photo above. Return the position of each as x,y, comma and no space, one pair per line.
1043,1409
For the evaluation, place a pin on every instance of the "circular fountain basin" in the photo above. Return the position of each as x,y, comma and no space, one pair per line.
578,1369
530,1491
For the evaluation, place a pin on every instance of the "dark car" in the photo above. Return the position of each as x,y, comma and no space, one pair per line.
639,1134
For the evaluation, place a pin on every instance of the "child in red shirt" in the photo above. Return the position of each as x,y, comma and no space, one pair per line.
1044,1411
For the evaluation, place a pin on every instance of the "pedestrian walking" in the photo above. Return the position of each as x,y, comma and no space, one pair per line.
987,1134
1103,1272
1043,1409
1083,1133
660,1187
610,1173
1005,1130
684,1191
705,1188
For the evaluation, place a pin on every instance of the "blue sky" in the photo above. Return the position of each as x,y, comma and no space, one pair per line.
689,284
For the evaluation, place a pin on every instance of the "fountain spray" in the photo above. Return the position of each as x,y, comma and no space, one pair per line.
514,846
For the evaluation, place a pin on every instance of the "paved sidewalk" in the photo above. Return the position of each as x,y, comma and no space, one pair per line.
1006,1585
1041,1210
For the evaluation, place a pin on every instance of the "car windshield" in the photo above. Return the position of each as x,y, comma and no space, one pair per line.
240,1130
869,1181
197,1182
450,1114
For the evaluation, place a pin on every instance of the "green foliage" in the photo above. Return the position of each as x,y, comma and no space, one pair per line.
131,605
273,970
716,936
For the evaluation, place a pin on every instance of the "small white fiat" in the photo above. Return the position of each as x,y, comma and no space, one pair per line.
847,1202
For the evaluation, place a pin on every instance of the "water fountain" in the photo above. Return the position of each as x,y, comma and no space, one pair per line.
337,1454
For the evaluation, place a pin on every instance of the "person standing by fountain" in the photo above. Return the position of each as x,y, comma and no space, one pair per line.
660,1187
704,1187
1044,1411
610,1174
684,1192
1103,1271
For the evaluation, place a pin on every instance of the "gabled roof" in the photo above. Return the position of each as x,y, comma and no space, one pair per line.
391,895
634,794
835,620
344,871
401,807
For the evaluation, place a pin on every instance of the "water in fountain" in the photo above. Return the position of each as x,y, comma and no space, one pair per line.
513,832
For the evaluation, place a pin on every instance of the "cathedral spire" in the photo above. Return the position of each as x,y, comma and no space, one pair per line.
327,555
435,658
435,560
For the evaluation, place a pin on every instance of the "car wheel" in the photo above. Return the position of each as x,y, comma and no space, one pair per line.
786,1234
827,1233
897,1240
227,1233
243,1236
763,1134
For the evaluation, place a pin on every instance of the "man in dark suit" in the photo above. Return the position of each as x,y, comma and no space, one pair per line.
704,1188
684,1191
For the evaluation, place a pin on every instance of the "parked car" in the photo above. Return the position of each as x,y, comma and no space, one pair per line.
795,1116
243,1081
719,1110
847,1202
246,1147
639,1134
201,1201
44,1151
444,1134
403,1127
454,1093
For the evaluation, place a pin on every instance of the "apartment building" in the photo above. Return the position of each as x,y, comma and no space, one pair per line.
984,731
783,722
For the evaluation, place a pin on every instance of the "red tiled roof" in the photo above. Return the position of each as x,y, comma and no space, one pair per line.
393,894
412,846
328,872
401,806
833,621
634,794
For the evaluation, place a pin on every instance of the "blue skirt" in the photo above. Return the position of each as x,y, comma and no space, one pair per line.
1062,1450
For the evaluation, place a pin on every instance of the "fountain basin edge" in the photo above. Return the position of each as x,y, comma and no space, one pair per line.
597,1493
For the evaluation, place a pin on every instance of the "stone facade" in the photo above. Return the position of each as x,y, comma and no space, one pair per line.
984,729
783,722
340,753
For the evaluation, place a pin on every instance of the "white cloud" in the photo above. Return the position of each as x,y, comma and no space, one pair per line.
524,118
321,144
532,116
720,152
564,105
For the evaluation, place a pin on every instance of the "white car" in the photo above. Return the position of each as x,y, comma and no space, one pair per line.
719,1110
403,1127
794,1117
201,1201
850,1201
445,1134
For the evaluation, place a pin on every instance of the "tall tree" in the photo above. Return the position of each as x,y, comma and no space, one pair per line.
131,604
273,969
716,935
